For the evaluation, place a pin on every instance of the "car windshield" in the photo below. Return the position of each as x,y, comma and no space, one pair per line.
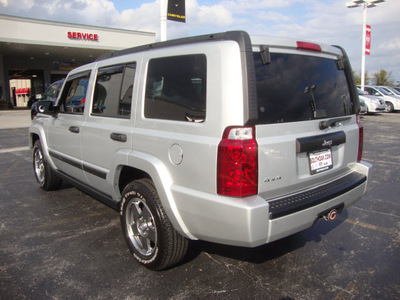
387,90
383,91
293,88
392,90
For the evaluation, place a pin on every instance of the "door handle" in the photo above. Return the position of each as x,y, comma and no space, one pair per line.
74,129
119,137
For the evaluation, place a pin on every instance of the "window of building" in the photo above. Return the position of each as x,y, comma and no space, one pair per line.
74,93
176,88
113,91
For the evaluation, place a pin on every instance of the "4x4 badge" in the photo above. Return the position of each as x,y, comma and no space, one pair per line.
276,178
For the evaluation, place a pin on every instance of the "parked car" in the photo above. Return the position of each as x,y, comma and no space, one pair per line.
392,103
51,93
373,103
392,91
227,138
363,107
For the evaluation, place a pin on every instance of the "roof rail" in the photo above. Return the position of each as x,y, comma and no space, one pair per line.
241,37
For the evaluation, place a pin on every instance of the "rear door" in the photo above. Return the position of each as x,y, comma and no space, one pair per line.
306,130
107,134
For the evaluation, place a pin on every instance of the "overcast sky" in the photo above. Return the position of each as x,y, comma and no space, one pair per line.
328,21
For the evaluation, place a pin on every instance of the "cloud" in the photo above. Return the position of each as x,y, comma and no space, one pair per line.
146,18
272,16
392,44
244,6
216,14
90,12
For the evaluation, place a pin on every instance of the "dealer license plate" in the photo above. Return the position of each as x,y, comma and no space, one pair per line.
320,161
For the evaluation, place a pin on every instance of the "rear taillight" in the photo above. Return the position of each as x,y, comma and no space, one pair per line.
237,167
360,138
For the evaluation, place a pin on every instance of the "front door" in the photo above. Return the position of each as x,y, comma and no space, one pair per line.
64,136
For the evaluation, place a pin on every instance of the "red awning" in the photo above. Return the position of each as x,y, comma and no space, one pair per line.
23,91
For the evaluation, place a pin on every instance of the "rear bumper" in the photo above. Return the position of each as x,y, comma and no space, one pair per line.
252,221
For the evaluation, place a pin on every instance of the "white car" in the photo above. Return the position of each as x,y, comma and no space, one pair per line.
392,103
363,107
392,91
373,104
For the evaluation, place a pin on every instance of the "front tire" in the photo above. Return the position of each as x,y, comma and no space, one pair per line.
44,174
390,107
148,232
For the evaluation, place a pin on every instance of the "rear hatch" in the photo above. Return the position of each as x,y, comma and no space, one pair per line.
307,130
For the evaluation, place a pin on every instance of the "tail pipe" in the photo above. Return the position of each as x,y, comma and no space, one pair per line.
331,214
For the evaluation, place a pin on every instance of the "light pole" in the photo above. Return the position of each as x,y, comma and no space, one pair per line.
163,20
366,4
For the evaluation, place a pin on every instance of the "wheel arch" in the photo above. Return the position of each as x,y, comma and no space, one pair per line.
33,138
36,132
148,166
390,106
128,174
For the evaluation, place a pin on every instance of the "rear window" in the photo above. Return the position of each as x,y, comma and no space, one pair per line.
292,88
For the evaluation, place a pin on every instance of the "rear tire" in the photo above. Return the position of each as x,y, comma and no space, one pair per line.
44,174
148,232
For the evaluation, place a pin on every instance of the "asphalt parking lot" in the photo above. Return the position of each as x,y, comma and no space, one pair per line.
66,245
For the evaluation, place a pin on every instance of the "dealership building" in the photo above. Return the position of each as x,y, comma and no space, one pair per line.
34,53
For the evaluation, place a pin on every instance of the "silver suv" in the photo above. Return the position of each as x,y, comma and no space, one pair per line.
226,138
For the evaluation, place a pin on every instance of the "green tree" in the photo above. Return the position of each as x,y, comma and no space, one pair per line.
383,78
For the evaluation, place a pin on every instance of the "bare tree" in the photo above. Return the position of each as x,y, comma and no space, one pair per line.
357,77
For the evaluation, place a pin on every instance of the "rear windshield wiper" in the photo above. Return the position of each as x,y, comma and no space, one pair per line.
311,89
264,54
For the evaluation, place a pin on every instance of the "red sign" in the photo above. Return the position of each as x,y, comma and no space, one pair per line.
368,40
82,36
23,91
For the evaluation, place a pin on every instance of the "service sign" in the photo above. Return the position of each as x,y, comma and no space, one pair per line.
74,35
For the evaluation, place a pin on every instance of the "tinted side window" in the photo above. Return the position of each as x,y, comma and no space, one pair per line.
369,91
297,87
113,91
176,88
73,97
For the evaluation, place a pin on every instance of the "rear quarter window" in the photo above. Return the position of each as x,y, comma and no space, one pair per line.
293,88
176,88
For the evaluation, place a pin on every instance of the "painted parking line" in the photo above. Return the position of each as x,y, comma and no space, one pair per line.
391,231
17,149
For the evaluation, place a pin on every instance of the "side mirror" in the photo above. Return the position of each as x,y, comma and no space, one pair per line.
46,107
